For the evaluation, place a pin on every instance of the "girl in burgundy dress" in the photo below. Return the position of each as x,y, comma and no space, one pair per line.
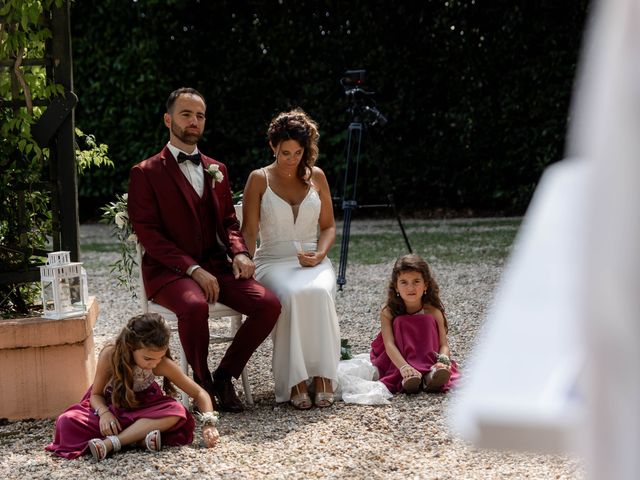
125,405
411,351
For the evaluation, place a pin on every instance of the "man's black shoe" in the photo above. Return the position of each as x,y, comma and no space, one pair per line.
226,396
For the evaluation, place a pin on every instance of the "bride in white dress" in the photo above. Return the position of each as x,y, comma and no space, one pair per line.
289,204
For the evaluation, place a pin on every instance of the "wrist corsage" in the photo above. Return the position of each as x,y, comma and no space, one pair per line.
444,359
216,175
208,418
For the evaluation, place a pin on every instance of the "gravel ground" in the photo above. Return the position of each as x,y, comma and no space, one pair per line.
408,439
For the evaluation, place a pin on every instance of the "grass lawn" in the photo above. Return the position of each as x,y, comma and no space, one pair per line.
450,241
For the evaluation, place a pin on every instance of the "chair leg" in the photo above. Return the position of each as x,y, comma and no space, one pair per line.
184,365
236,323
247,388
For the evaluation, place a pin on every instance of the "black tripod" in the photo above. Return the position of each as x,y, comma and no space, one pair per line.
349,203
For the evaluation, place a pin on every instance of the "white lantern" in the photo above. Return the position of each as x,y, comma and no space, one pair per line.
64,287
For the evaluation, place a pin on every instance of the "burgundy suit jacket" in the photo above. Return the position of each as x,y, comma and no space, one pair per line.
164,217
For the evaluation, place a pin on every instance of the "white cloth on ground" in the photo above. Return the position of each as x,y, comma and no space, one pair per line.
358,382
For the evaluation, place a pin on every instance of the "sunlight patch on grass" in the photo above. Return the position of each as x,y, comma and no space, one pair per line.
454,242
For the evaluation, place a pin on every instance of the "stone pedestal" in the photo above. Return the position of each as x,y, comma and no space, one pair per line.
45,365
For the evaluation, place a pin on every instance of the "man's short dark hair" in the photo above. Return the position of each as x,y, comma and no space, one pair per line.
182,91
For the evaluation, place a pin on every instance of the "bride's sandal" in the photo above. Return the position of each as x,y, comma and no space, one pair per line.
153,441
300,400
323,398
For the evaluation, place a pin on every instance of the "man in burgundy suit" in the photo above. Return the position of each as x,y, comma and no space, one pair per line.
184,218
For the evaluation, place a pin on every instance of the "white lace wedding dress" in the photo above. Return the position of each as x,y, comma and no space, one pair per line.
306,339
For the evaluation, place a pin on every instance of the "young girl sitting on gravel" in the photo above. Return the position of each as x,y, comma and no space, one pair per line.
412,351
126,406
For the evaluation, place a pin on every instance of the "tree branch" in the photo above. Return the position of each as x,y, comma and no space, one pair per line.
23,83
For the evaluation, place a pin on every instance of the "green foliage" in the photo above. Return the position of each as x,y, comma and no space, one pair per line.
25,218
25,197
116,214
477,94
21,19
345,349
94,155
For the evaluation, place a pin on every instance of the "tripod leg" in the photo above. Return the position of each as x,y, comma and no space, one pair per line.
349,202
397,214
344,245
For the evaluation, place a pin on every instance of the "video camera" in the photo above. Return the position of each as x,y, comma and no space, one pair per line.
361,100
352,80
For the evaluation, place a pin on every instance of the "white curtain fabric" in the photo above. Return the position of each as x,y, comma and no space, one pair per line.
562,340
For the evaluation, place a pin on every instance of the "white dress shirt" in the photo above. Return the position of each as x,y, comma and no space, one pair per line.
193,173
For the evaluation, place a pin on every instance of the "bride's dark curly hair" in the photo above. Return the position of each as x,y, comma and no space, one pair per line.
297,125
414,263
148,330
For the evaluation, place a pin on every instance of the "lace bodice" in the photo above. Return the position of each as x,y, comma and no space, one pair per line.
142,378
279,228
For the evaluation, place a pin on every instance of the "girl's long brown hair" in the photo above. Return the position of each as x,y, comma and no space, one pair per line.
148,330
414,263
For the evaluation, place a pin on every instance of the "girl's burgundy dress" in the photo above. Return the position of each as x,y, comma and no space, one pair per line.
416,336
79,424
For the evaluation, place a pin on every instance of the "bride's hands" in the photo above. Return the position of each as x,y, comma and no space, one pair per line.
309,259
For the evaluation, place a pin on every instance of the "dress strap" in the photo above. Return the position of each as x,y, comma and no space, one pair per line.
266,177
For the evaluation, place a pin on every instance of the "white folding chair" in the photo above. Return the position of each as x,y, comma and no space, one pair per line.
216,310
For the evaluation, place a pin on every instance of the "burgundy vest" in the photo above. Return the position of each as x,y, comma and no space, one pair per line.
206,213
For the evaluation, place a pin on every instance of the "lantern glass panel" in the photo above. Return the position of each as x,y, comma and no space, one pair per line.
75,291
65,295
48,300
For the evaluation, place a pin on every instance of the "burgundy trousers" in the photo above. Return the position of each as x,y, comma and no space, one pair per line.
186,299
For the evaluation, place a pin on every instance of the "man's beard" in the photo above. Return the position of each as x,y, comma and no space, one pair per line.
183,136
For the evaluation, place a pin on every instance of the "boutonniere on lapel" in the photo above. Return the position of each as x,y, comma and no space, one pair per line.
216,175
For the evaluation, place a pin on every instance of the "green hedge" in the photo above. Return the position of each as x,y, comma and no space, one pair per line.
477,95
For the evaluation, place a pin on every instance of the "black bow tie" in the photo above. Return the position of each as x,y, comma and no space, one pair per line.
195,158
